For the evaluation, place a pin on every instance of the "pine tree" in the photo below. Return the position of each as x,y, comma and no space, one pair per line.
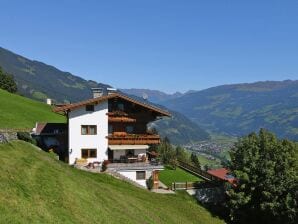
182,155
7,82
195,160
167,153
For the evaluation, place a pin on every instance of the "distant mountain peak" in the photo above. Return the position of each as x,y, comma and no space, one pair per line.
155,96
239,109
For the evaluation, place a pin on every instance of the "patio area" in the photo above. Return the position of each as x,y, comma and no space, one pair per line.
135,166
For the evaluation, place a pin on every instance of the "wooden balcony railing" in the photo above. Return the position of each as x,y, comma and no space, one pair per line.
120,116
122,119
133,139
117,114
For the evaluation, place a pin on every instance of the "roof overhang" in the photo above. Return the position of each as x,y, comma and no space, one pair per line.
69,107
124,147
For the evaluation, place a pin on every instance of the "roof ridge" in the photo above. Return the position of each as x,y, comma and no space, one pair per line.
149,104
107,97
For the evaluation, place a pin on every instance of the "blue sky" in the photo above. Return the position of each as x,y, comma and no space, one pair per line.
158,44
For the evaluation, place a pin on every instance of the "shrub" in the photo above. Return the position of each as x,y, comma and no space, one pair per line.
7,82
149,183
25,136
105,165
53,154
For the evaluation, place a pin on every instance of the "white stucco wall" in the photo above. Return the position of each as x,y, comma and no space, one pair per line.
131,174
77,141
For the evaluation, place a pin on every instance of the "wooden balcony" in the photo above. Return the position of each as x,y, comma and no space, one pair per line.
117,114
133,139
122,119
120,116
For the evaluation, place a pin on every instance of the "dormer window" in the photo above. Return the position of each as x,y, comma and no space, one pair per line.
120,106
129,129
89,107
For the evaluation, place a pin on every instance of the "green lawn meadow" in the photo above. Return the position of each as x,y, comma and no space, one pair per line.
20,112
37,188
169,175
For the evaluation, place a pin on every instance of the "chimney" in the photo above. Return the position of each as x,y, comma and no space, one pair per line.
49,101
97,92
111,90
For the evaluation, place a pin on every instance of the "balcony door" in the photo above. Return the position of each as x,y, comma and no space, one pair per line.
110,155
129,153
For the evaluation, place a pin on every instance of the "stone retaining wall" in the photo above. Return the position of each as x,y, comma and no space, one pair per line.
2,139
7,135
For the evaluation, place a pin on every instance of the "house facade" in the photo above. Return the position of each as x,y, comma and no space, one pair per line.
113,127
88,130
52,136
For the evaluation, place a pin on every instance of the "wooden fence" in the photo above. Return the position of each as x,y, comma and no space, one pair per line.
194,185
198,172
10,130
184,185
211,181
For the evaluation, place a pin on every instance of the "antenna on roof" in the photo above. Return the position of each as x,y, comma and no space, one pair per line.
145,96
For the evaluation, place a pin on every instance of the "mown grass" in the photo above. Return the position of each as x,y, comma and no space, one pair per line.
36,188
169,175
20,112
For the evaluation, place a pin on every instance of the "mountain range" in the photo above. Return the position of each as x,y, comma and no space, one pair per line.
154,96
233,110
238,109
242,108
40,81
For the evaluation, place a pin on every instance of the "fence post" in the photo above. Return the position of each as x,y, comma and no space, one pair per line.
186,184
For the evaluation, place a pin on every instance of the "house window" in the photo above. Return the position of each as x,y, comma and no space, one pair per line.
89,107
120,106
110,129
89,153
140,175
129,129
88,129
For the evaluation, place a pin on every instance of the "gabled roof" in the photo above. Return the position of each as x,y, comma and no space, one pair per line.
223,174
73,106
50,128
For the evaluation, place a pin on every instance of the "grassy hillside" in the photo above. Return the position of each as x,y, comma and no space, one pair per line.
19,112
36,188
40,81
179,129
